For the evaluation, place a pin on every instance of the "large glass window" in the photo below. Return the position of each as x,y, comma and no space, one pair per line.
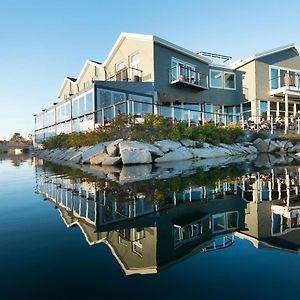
81,106
68,110
89,103
222,79
216,79
75,108
142,105
229,80
274,78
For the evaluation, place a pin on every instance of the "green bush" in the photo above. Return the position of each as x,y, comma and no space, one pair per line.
154,128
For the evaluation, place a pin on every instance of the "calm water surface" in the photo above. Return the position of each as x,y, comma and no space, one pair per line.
230,233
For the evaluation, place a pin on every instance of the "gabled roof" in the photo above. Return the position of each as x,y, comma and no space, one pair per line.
75,80
155,39
241,63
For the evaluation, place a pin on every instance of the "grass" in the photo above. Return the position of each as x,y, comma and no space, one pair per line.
153,129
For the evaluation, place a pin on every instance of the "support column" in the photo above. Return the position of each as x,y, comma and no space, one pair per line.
277,111
295,109
223,116
286,113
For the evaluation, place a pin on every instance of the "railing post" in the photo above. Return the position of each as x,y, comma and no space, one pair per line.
128,107
189,118
243,121
298,131
114,109
272,125
173,113
102,116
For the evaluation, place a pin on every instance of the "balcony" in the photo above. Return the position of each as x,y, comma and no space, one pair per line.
127,74
285,83
182,75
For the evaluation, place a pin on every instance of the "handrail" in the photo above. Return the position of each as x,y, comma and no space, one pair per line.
189,111
188,75
127,77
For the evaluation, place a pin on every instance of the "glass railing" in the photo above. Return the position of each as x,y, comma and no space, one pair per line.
127,74
189,76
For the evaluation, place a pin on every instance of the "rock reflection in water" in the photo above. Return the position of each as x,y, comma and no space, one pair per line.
151,224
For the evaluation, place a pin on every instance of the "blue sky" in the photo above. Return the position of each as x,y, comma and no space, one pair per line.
41,42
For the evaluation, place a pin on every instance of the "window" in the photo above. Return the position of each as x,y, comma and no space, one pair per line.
181,70
222,79
81,106
142,105
74,107
229,80
89,103
119,66
274,78
216,79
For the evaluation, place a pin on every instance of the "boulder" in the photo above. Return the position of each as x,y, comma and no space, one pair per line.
135,156
273,146
262,146
112,148
178,154
134,145
98,159
92,151
167,145
209,152
111,161
188,143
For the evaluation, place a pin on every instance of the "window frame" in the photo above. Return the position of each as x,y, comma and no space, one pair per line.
223,86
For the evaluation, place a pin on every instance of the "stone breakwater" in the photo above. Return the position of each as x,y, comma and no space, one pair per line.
127,152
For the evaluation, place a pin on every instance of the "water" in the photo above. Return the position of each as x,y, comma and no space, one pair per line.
230,232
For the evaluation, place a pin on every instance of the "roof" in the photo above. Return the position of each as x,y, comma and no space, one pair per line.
75,80
155,39
241,63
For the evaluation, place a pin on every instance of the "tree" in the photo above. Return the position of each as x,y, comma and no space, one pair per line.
17,138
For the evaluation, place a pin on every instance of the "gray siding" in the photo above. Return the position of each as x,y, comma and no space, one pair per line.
162,65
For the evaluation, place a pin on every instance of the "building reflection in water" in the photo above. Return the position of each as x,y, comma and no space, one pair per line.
150,229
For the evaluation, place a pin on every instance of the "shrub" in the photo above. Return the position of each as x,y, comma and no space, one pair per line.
154,128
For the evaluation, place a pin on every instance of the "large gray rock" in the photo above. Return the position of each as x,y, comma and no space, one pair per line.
135,156
111,161
273,146
188,143
98,159
262,146
112,148
209,152
178,154
168,145
135,145
92,151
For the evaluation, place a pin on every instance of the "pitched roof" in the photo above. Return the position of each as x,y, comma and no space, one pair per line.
243,62
155,39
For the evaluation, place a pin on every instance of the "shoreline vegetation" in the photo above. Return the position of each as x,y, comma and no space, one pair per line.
157,141
153,128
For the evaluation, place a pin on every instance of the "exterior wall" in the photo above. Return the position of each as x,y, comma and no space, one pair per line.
69,88
223,96
162,65
91,73
128,47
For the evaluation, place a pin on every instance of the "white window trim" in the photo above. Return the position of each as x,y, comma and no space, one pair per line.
283,69
223,79
234,80
186,64
119,63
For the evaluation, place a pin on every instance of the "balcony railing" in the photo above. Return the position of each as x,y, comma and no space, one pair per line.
127,74
185,75
290,81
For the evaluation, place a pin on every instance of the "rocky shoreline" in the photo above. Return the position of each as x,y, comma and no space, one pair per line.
127,152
